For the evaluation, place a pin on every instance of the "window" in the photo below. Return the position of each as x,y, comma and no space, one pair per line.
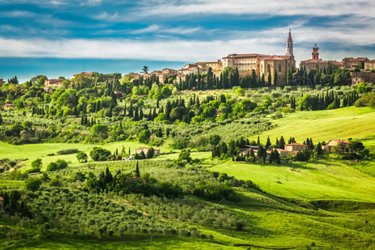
279,67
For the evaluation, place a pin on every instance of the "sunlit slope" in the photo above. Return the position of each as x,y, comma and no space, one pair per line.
344,123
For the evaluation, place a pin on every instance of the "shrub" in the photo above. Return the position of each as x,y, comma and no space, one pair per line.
100,154
36,164
67,151
33,184
184,155
82,157
57,165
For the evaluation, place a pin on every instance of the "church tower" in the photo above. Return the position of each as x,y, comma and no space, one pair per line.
315,53
289,45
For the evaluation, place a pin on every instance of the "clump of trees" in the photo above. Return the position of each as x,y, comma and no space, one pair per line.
127,183
354,151
57,165
13,204
100,154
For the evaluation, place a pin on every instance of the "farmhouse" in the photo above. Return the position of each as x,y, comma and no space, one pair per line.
146,149
295,147
283,152
336,143
247,149
9,106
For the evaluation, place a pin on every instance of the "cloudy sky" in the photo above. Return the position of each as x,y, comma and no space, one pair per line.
195,30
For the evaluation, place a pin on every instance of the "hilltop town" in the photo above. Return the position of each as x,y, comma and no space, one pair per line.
274,69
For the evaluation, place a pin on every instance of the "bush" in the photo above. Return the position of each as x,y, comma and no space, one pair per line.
67,151
82,157
59,164
184,155
36,164
100,154
33,184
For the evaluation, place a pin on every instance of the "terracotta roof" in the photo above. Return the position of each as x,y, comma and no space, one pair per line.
338,140
215,62
358,59
54,81
274,58
295,144
244,55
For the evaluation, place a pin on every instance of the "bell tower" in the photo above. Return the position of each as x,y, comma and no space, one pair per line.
315,53
289,44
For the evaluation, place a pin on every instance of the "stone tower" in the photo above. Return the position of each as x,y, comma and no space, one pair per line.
315,53
289,45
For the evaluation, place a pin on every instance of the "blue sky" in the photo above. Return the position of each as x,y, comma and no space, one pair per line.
168,32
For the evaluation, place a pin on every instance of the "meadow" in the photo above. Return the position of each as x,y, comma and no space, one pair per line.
343,123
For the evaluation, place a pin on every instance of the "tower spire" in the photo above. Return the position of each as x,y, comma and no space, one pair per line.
289,44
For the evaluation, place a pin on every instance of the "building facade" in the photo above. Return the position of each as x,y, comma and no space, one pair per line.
316,62
274,67
370,65
351,63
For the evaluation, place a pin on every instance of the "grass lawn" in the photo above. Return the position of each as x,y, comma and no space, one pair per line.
42,150
312,181
344,123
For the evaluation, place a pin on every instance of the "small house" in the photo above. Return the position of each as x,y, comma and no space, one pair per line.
145,151
295,147
336,143
9,106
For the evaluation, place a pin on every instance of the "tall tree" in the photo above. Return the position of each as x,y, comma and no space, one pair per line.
145,69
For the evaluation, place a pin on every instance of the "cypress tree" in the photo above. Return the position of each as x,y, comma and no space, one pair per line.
137,173
268,143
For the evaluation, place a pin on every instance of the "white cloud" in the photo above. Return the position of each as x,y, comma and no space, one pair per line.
268,42
153,28
269,7
150,29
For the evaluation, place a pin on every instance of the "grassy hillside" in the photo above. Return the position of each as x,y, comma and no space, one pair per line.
271,222
325,179
343,123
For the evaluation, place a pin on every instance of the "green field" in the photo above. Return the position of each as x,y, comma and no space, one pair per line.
323,180
42,151
343,123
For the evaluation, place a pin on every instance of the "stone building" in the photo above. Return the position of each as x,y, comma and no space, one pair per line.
295,147
263,65
51,84
245,63
362,76
146,149
317,63
163,74
351,63
370,65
